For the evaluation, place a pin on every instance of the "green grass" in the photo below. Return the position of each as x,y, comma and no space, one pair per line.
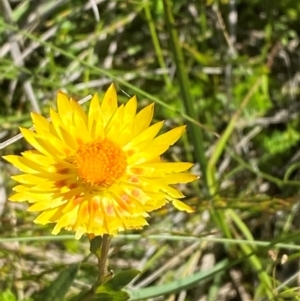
235,86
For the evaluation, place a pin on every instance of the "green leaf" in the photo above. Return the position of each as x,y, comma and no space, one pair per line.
103,296
81,296
7,295
60,286
110,290
112,296
122,279
177,285
118,282
281,141
95,245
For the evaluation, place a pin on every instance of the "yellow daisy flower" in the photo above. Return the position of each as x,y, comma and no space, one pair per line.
101,172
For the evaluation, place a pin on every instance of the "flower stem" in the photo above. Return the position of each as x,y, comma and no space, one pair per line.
102,260
196,133
100,247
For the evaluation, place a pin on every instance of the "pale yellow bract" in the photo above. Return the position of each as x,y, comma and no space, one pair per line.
101,172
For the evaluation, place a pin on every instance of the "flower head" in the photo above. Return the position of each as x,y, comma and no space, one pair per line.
101,172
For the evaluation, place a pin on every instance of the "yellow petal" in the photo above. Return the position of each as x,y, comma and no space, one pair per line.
46,204
109,104
28,179
40,123
143,119
168,167
44,148
23,164
40,159
95,122
130,110
21,197
78,110
114,126
49,216
94,110
63,130
147,152
146,135
170,137
57,148
178,178
64,107
182,206
81,130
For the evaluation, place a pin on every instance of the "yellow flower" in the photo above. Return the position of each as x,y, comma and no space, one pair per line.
101,172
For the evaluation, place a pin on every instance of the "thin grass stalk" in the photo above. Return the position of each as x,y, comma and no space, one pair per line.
197,135
278,243
253,259
221,145
220,216
105,73
272,179
212,182
156,44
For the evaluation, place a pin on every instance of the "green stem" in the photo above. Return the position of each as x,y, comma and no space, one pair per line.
253,259
156,43
221,218
221,144
211,180
102,260
195,132
100,247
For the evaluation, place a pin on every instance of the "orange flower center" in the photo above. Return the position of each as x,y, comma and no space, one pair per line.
101,163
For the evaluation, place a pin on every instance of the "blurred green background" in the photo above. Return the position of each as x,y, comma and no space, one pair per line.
227,69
